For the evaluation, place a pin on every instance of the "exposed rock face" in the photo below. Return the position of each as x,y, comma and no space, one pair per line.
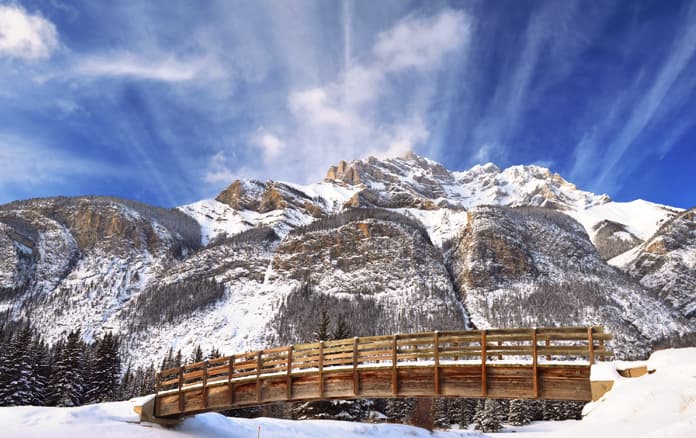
377,271
536,267
77,260
242,195
666,263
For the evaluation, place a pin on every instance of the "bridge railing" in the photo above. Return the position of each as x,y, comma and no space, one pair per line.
535,347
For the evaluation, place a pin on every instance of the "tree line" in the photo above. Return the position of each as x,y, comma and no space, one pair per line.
72,372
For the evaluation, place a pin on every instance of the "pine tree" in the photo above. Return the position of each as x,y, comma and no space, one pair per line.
399,409
41,371
106,368
519,413
18,389
342,331
488,418
196,355
68,385
322,331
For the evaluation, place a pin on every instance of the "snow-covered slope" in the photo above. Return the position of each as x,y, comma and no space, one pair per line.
617,227
658,405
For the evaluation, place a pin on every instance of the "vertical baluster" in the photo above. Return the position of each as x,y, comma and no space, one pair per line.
484,383
395,374
356,382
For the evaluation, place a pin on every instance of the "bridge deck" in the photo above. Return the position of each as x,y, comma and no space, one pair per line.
543,363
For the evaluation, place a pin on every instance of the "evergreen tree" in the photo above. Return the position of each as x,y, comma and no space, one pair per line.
322,331
196,355
41,371
342,331
488,418
519,412
17,389
106,368
214,353
67,384
399,409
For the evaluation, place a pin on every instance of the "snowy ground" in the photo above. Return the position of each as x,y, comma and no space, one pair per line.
661,404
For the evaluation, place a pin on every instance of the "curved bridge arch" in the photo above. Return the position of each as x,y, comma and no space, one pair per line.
537,363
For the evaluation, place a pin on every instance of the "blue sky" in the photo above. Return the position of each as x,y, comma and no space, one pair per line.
168,102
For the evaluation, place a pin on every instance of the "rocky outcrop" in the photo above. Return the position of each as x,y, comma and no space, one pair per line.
666,263
537,267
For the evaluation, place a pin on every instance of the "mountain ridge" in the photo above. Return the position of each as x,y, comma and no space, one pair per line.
234,272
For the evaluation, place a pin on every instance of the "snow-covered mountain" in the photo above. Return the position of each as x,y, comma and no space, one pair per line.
398,244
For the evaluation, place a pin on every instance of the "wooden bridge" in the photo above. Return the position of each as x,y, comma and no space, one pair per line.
540,363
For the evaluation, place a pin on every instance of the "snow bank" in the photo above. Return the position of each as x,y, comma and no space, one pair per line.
108,420
657,405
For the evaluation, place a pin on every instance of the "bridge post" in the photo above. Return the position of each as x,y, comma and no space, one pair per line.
356,382
288,379
535,370
484,383
321,369
436,369
590,345
205,384
230,373
395,373
258,376
181,387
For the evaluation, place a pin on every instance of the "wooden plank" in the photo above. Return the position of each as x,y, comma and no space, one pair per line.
548,344
484,384
395,376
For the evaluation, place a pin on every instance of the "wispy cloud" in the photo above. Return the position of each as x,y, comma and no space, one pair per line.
359,113
603,156
24,35
166,69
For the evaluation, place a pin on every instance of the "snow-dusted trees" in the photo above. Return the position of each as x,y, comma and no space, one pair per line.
489,418
105,371
67,385
169,302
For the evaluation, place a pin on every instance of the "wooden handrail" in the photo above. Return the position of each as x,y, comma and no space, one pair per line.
393,351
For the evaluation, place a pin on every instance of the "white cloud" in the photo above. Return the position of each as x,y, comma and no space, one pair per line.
490,152
421,43
26,36
218,170
156,68
270,145
313,104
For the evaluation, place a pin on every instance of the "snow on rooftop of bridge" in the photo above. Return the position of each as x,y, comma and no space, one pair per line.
661,404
